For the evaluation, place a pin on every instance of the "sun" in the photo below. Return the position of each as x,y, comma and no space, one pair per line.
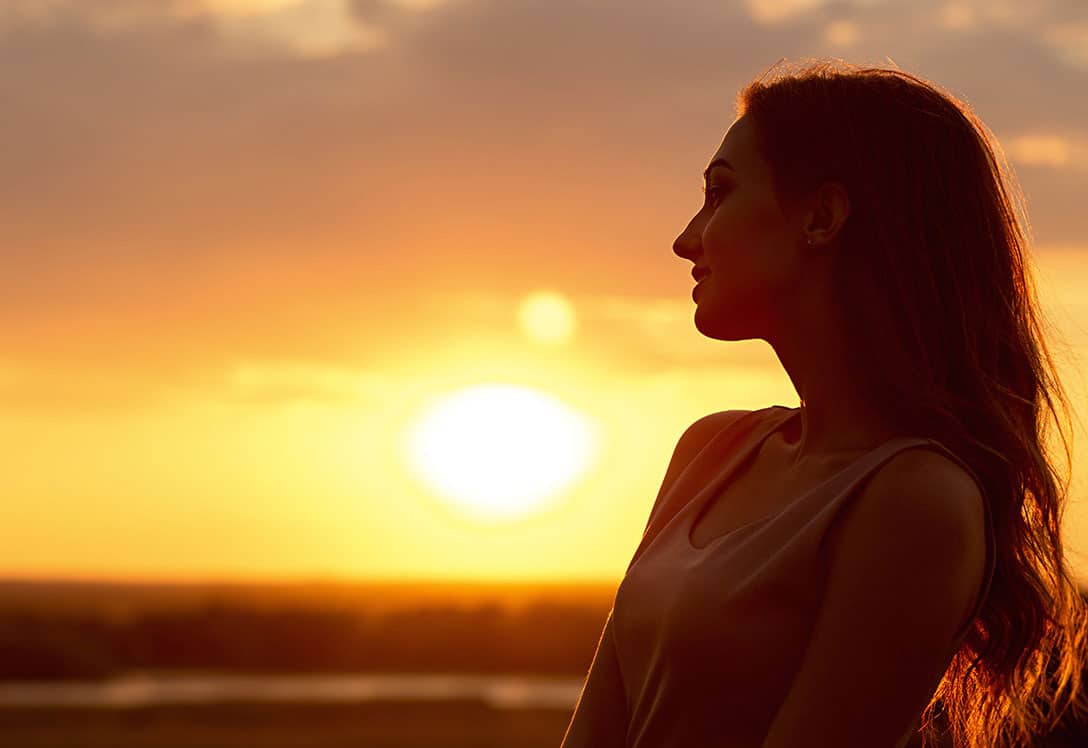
500,451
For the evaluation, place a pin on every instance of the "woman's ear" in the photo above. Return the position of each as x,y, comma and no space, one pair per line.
830,209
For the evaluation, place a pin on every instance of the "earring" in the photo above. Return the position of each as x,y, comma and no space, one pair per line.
810,241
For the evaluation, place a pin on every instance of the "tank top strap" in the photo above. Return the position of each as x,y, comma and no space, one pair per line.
727,444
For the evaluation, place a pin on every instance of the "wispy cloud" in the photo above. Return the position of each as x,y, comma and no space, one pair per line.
980,15
302,28
1069,40
781,11
280,382
197,182
843,33
307,28
1049,150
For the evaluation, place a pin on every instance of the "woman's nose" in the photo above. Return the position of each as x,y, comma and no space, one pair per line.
684,248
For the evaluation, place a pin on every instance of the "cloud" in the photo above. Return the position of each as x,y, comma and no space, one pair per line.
190,190
842,33
281,382
1069,40
657,333
302,28
780,11
775,12
237,8
1048,150
309,29
978,15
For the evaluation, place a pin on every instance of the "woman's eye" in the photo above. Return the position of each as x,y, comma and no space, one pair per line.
712,193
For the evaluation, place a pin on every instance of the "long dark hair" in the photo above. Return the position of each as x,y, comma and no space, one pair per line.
947,339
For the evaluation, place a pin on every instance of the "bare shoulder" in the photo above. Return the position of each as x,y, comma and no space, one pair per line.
691,442
696,436
927,479
924,494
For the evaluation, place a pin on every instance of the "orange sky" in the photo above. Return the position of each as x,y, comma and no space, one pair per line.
246,240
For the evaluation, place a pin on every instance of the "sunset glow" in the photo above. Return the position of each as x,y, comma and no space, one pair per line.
388,289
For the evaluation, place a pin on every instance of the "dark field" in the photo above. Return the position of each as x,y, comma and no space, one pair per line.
68,632
422,725
60,631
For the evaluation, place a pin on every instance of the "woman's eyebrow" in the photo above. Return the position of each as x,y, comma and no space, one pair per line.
716,162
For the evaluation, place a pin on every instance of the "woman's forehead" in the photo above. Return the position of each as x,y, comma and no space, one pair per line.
737,150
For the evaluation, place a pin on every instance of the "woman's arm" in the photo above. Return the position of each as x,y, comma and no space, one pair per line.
600,716
905,568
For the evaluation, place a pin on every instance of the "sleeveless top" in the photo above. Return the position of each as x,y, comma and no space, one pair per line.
701,644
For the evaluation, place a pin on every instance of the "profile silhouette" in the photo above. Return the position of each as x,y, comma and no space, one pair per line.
883,565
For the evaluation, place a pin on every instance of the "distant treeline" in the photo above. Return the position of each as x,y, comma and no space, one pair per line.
545,638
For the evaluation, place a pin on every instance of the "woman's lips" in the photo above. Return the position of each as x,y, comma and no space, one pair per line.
697,284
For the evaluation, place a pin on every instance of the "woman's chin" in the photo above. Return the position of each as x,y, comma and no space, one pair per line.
718,323
706,321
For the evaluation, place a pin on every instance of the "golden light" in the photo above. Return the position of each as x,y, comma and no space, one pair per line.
547,317
498,451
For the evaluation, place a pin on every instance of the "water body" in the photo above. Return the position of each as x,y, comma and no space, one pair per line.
147,689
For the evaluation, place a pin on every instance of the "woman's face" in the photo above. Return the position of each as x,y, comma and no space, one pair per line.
749,245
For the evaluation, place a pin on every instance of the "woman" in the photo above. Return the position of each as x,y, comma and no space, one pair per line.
882,566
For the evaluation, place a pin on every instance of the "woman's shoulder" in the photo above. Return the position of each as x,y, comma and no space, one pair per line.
705,428
709,425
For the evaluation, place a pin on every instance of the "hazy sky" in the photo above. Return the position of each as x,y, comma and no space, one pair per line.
243,239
